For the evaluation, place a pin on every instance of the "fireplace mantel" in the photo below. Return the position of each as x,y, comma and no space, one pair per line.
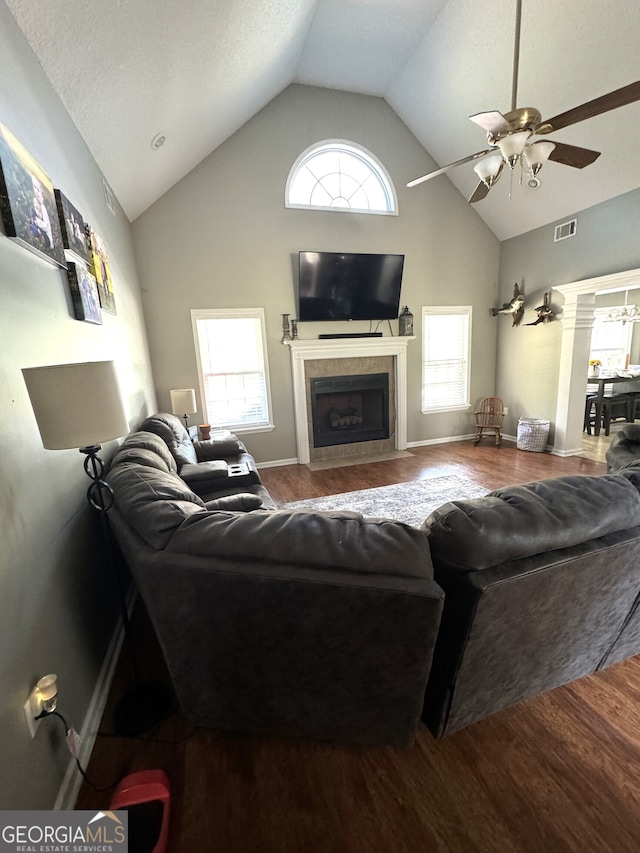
307,350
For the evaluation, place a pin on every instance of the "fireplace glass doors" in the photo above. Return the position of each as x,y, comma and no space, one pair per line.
347,409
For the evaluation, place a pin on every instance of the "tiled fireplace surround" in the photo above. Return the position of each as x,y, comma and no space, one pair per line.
349,357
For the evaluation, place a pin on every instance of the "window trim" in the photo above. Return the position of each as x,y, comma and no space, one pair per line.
435,310
233,313
376,165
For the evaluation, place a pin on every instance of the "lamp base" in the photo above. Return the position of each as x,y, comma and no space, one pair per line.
144,706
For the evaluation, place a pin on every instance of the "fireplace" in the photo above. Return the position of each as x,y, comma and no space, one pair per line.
348,409
315,359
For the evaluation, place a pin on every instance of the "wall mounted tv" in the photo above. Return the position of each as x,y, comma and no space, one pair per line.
349,286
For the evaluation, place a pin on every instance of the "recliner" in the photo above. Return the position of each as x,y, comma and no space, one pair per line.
204,465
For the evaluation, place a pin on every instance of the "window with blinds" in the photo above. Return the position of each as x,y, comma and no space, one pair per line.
232,368
610,340
446,338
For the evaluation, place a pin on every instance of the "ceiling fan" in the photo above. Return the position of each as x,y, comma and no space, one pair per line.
511,136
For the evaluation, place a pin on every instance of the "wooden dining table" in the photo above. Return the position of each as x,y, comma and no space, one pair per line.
601,381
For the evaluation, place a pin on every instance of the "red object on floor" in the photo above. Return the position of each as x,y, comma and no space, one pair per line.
146,796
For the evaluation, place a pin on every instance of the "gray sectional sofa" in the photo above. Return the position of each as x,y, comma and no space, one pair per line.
542,586
331,626
308,624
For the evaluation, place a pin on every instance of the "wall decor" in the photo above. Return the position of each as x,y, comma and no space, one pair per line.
27,203
84,294
545,312
102,272
74,234
515,307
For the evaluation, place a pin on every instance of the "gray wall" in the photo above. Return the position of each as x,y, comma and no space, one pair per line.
606,242
56,605
222,238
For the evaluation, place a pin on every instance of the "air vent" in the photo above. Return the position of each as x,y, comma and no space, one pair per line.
567,229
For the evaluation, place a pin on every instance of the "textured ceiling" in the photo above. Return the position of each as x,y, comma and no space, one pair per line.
198,70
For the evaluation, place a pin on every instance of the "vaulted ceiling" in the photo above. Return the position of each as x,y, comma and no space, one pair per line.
196,71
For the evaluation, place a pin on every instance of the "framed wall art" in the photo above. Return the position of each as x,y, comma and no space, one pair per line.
27,203
74,234
101,270
84,294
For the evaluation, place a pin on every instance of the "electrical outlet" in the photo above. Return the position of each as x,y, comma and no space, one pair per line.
32,723
506,410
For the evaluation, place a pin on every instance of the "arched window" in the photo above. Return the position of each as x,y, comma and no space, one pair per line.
342,176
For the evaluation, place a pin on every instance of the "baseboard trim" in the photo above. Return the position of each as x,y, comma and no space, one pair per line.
446,440
578,452
72,781
276,463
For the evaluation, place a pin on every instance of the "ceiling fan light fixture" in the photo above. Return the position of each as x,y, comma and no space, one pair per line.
537,154
489,168
512,146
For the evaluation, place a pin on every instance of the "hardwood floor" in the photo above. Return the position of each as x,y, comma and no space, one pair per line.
555,774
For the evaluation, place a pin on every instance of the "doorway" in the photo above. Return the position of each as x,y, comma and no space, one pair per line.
577,323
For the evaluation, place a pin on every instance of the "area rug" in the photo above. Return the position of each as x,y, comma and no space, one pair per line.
408,502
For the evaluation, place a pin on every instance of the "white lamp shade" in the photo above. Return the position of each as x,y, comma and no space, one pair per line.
183,401
76,405
538,153
513,145
489,167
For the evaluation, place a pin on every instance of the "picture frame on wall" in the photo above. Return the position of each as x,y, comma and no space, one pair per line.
84,294
102,272
27,202
74,233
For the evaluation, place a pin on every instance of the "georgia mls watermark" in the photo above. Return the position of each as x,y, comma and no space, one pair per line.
64,832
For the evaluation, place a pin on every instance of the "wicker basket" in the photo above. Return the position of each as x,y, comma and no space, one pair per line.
533,434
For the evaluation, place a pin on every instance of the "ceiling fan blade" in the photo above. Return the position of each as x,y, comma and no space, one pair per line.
493,122
620,98
571,155
480,192
444,169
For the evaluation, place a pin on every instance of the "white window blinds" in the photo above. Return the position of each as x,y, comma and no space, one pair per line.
446,335
232,367
610,340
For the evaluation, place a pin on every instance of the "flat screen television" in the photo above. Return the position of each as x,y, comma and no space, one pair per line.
349,286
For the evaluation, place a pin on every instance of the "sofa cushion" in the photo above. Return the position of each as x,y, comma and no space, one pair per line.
244,502
322,540
150,443
155,503
520,521
171,430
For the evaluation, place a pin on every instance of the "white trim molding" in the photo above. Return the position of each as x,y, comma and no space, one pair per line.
312,350
577,323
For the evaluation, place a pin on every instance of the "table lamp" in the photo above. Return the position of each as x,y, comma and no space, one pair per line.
183,403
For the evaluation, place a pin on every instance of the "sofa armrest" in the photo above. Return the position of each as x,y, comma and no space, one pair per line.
201,475
218,448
